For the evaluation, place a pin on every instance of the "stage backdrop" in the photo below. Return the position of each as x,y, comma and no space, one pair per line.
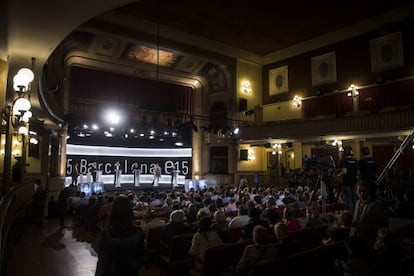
147,158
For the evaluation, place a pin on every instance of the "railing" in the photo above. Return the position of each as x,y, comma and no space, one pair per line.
311,128
14,203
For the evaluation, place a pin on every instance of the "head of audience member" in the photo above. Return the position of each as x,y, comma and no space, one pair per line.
251,204
205,225
260,235
177,216
273,216
281,231
192,208
219,203
254,213
219,216
201,214
289,213
312,213
345,219
120,223
242,210
271,202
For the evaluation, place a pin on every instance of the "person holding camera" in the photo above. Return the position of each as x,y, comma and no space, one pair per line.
349,170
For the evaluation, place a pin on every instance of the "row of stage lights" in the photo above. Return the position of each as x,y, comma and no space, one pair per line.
160,135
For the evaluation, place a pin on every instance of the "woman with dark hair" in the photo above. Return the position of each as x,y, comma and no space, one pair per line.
204,239
121,245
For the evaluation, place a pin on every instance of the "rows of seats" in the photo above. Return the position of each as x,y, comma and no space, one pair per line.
316,261
175,258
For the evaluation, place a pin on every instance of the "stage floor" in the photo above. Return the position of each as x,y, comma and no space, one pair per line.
144,186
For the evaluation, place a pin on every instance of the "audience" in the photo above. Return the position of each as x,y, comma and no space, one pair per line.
193,211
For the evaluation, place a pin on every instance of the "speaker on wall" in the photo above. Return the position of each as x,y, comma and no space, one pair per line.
242,105
244,155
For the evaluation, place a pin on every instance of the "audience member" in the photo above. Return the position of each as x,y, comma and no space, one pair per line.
121,245
175,226
285,245
289,215
255,219
260,251
220,221
205,238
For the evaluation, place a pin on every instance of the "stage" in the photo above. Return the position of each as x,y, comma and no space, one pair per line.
99,187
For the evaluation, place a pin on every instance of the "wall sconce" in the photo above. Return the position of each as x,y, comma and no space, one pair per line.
297,101
338,144
246,87
250,155
353,91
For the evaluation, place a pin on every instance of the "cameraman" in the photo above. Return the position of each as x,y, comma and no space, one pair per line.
368,170
349,169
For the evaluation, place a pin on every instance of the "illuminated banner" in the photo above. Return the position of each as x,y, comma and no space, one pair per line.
147,158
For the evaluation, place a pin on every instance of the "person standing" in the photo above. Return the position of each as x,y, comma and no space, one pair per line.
39,204
75,174
63,204
369,216
94,171
117,174
157,175
137,172
121,247
349,169
368,170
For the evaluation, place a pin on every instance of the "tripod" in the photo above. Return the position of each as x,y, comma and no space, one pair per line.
320,184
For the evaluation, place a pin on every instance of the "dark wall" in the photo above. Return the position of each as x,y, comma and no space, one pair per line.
353,65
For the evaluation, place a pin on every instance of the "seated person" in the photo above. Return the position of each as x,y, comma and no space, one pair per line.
175,226
221,222
202,240
258,252
293,224
341,232
313,218
285,245
242,219
255,219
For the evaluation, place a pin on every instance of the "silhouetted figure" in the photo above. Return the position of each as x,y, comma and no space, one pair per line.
121,245
39,204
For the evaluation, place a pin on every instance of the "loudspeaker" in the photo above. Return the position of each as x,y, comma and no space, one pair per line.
242,105
244,155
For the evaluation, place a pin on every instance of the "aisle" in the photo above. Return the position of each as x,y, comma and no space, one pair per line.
52,250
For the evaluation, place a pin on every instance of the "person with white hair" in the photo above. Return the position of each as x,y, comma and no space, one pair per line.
175,226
